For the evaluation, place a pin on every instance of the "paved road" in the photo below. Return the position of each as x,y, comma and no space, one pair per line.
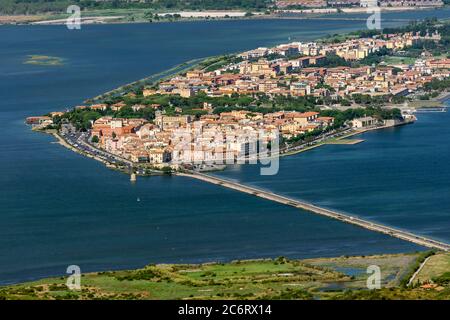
418,271
79,140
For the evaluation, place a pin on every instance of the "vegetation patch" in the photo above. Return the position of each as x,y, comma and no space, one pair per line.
41,60
281,278
435,270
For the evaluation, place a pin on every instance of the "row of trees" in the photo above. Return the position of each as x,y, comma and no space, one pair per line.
340,117
437,85
332,60
82,118
43,6
258,103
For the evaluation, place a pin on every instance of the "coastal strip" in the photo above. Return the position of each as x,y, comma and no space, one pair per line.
343,139
94,153
63,142
152,79
397,233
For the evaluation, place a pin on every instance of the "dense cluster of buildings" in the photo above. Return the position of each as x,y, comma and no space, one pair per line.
226,137
292,69
283,4
296,69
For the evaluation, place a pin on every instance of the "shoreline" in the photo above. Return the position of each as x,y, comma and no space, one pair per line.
195,265
154,78
205,15
345,136
444,96
61,141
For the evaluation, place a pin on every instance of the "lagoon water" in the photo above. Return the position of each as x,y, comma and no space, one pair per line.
58,208
398,176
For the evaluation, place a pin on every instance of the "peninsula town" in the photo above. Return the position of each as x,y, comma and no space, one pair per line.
277,100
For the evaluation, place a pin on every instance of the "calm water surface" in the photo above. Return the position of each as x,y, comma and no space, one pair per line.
398,176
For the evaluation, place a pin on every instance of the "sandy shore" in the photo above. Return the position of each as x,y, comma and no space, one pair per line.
120,17
211,14
86,20
62,142
21,19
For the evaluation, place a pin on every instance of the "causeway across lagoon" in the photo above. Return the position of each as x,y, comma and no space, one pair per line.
397,233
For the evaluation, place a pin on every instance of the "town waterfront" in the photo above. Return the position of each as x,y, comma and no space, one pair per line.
397,176
58,208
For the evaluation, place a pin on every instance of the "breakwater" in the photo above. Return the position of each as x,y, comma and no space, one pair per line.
397,233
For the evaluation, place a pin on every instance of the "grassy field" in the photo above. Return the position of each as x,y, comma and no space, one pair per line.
44,60
425,104
393,60
344,141
21,18
393,267
326,278
435,266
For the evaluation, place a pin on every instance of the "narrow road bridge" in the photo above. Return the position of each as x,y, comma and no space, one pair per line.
397,233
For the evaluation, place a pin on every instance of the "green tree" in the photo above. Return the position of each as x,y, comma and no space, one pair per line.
167,170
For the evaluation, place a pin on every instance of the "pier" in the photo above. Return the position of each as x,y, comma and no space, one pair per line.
430,109
393,232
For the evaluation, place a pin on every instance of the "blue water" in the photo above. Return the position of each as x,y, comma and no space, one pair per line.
398,176
58,208
350,271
